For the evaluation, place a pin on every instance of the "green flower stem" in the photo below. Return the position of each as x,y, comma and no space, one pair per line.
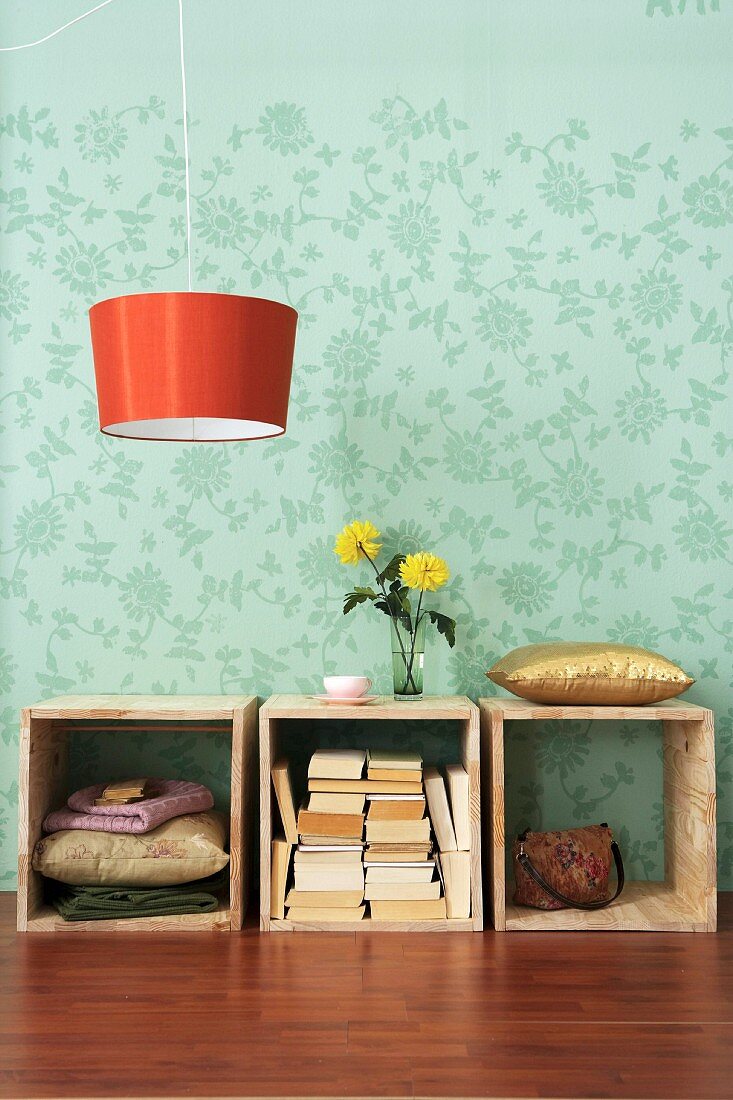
380,582
413,635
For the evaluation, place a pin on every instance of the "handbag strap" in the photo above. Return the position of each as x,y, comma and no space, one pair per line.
526,864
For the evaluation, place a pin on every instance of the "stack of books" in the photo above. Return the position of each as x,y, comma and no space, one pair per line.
388,838
401,878
123,793
328,867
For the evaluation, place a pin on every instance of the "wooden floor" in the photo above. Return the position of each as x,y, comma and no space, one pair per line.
467,1015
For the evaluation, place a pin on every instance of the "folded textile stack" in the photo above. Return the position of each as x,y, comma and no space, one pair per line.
167,798
128,848
120,902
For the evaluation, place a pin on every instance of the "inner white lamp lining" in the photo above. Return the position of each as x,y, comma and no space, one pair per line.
209,429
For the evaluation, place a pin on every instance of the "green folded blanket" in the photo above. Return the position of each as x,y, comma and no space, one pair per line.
117,902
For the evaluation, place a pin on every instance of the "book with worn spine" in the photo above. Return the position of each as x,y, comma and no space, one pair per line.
325,899
456,874
365,786
406,807
431,909
323,824
279,868
398,832
457,779
330,802
438,810
337,764
402,891
305,913
285,802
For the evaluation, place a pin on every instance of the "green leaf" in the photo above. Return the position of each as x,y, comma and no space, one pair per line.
359,595
392,570
445,625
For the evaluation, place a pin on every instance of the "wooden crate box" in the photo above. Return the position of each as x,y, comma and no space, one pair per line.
280,709
46,730
686,901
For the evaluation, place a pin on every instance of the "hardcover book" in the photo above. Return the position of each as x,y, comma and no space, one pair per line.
284,795
305,913
456,868
422,871
402,891
325,899
457,778
438,810
409,910
380,758
364,786
280,865
405,807
337,764
398,832
339,825
328,802
324,876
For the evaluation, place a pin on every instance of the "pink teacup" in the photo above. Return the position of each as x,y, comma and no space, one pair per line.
346,687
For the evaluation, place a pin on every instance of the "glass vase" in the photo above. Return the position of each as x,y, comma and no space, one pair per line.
408,658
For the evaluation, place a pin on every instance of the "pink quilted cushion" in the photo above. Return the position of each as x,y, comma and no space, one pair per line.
173,798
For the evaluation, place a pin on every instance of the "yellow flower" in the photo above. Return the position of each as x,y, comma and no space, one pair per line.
425,571
357,540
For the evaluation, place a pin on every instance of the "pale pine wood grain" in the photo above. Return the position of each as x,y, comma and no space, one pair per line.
48,920
643,907
42,786
449,707
689,814
46,730
149,708
244,747
369,925
686,901
471,761
512,708
383,708
268,750
492,753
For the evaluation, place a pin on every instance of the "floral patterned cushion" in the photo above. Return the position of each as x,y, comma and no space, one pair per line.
182,850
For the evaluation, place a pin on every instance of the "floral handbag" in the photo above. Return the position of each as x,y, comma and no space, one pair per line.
567,869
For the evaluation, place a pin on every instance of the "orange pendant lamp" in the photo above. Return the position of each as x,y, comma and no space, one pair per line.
188,365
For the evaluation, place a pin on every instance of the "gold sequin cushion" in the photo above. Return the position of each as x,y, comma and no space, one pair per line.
586,673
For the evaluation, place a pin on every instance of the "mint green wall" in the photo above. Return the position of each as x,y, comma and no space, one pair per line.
505,229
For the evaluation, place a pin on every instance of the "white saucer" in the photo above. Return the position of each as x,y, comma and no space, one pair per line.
350,701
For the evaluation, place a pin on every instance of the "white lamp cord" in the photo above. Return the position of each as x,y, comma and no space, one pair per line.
78,19
185,144
40,41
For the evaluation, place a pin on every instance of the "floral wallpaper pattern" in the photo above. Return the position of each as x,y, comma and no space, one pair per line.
516,352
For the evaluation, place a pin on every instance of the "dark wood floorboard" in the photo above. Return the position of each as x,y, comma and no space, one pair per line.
356,1015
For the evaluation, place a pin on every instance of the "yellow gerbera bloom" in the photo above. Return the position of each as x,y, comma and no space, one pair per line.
425,571
357,540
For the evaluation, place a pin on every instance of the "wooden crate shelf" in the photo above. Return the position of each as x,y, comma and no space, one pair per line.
686,900
46,730
369,925
280,709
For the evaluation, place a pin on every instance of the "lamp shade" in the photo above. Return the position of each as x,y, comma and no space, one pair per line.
191,366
